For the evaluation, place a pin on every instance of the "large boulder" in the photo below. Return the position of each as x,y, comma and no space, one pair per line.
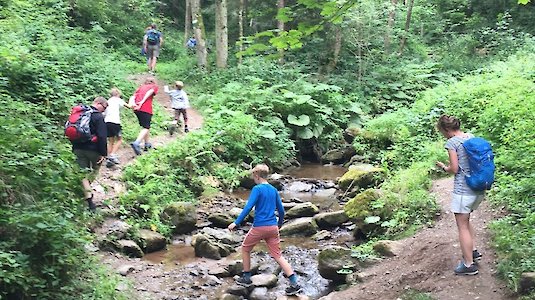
299,227
360,208
333,259
361,176
339,156
151,241
306,209
527,283
181,215
206,247
332,219
388,248
129,248
221,220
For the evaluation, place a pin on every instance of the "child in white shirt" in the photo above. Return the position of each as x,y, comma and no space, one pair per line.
113,125
179,102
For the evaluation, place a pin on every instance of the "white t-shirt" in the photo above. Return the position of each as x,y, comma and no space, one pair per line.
179,98
112,113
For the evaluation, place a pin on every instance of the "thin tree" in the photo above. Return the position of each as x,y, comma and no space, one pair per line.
241,13
391,20
221,33
336,48
407,26
198,29
187,22
280,27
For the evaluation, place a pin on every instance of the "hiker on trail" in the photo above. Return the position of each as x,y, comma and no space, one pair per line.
191,44
113,125
464,199
143,50
179,102
265,199
152,42
92,152
142,104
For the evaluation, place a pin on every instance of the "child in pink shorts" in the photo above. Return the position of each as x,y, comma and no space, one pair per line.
265,199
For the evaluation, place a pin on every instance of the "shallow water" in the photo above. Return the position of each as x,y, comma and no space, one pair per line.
316,171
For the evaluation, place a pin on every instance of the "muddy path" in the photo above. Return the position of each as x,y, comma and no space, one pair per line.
108,185
428,258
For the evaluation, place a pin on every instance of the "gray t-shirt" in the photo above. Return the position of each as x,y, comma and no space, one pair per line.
459,183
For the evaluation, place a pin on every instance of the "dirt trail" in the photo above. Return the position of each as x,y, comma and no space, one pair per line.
428,259
108,185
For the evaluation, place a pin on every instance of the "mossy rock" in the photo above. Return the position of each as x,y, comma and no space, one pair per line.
181,215
359,207
361,176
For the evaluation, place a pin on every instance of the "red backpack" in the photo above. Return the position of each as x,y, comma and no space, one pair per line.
77,128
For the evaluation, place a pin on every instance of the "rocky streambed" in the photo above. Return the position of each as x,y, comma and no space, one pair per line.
203,258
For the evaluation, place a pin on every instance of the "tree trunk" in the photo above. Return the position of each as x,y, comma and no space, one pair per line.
280,26
337,46
240,29
198,29
187,22
391,20
221,33
407,26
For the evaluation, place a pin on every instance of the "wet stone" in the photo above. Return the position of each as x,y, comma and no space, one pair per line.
238,290
260,293
266,280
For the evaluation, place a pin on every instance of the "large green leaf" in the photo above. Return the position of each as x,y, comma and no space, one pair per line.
302,120
305,133
268,133
302,99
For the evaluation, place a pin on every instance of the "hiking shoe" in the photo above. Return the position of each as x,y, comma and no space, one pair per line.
186,130
147,147
91,205
293,290
464,270
476,255
109,163
136,147
245,282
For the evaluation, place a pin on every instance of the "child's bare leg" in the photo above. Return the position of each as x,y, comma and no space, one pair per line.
286,268
117,144
465,238
246,257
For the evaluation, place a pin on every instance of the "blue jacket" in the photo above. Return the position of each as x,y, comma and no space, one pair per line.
265,199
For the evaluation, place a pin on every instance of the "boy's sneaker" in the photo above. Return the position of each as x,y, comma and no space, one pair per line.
186,130
91,205
245,282
464,270
136,147
476,255
293,290
147,147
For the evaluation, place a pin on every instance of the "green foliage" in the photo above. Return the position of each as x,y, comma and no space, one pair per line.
179,171
489,107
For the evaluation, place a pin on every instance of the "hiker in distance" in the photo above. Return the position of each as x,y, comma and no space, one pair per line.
265,199
87,131
113,125
179,102
152,43
141,102
464,200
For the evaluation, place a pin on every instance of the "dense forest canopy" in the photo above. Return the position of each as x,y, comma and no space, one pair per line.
296,76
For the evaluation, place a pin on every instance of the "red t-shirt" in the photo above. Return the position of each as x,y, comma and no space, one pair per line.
140,93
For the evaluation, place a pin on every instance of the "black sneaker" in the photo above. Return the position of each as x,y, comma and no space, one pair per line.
245,282
464,270
293,290
91,205
476,255
147,147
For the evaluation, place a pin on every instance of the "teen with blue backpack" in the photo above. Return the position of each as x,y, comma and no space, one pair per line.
152,42
472,161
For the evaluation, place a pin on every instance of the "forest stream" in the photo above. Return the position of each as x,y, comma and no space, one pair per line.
424,264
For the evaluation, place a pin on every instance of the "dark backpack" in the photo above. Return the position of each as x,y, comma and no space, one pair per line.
153,37
481,161
77,128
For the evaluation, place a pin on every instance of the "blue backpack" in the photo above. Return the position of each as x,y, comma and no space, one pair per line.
153,37
481,161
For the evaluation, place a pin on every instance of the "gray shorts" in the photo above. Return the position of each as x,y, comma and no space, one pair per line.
87,160
153,51
465,204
